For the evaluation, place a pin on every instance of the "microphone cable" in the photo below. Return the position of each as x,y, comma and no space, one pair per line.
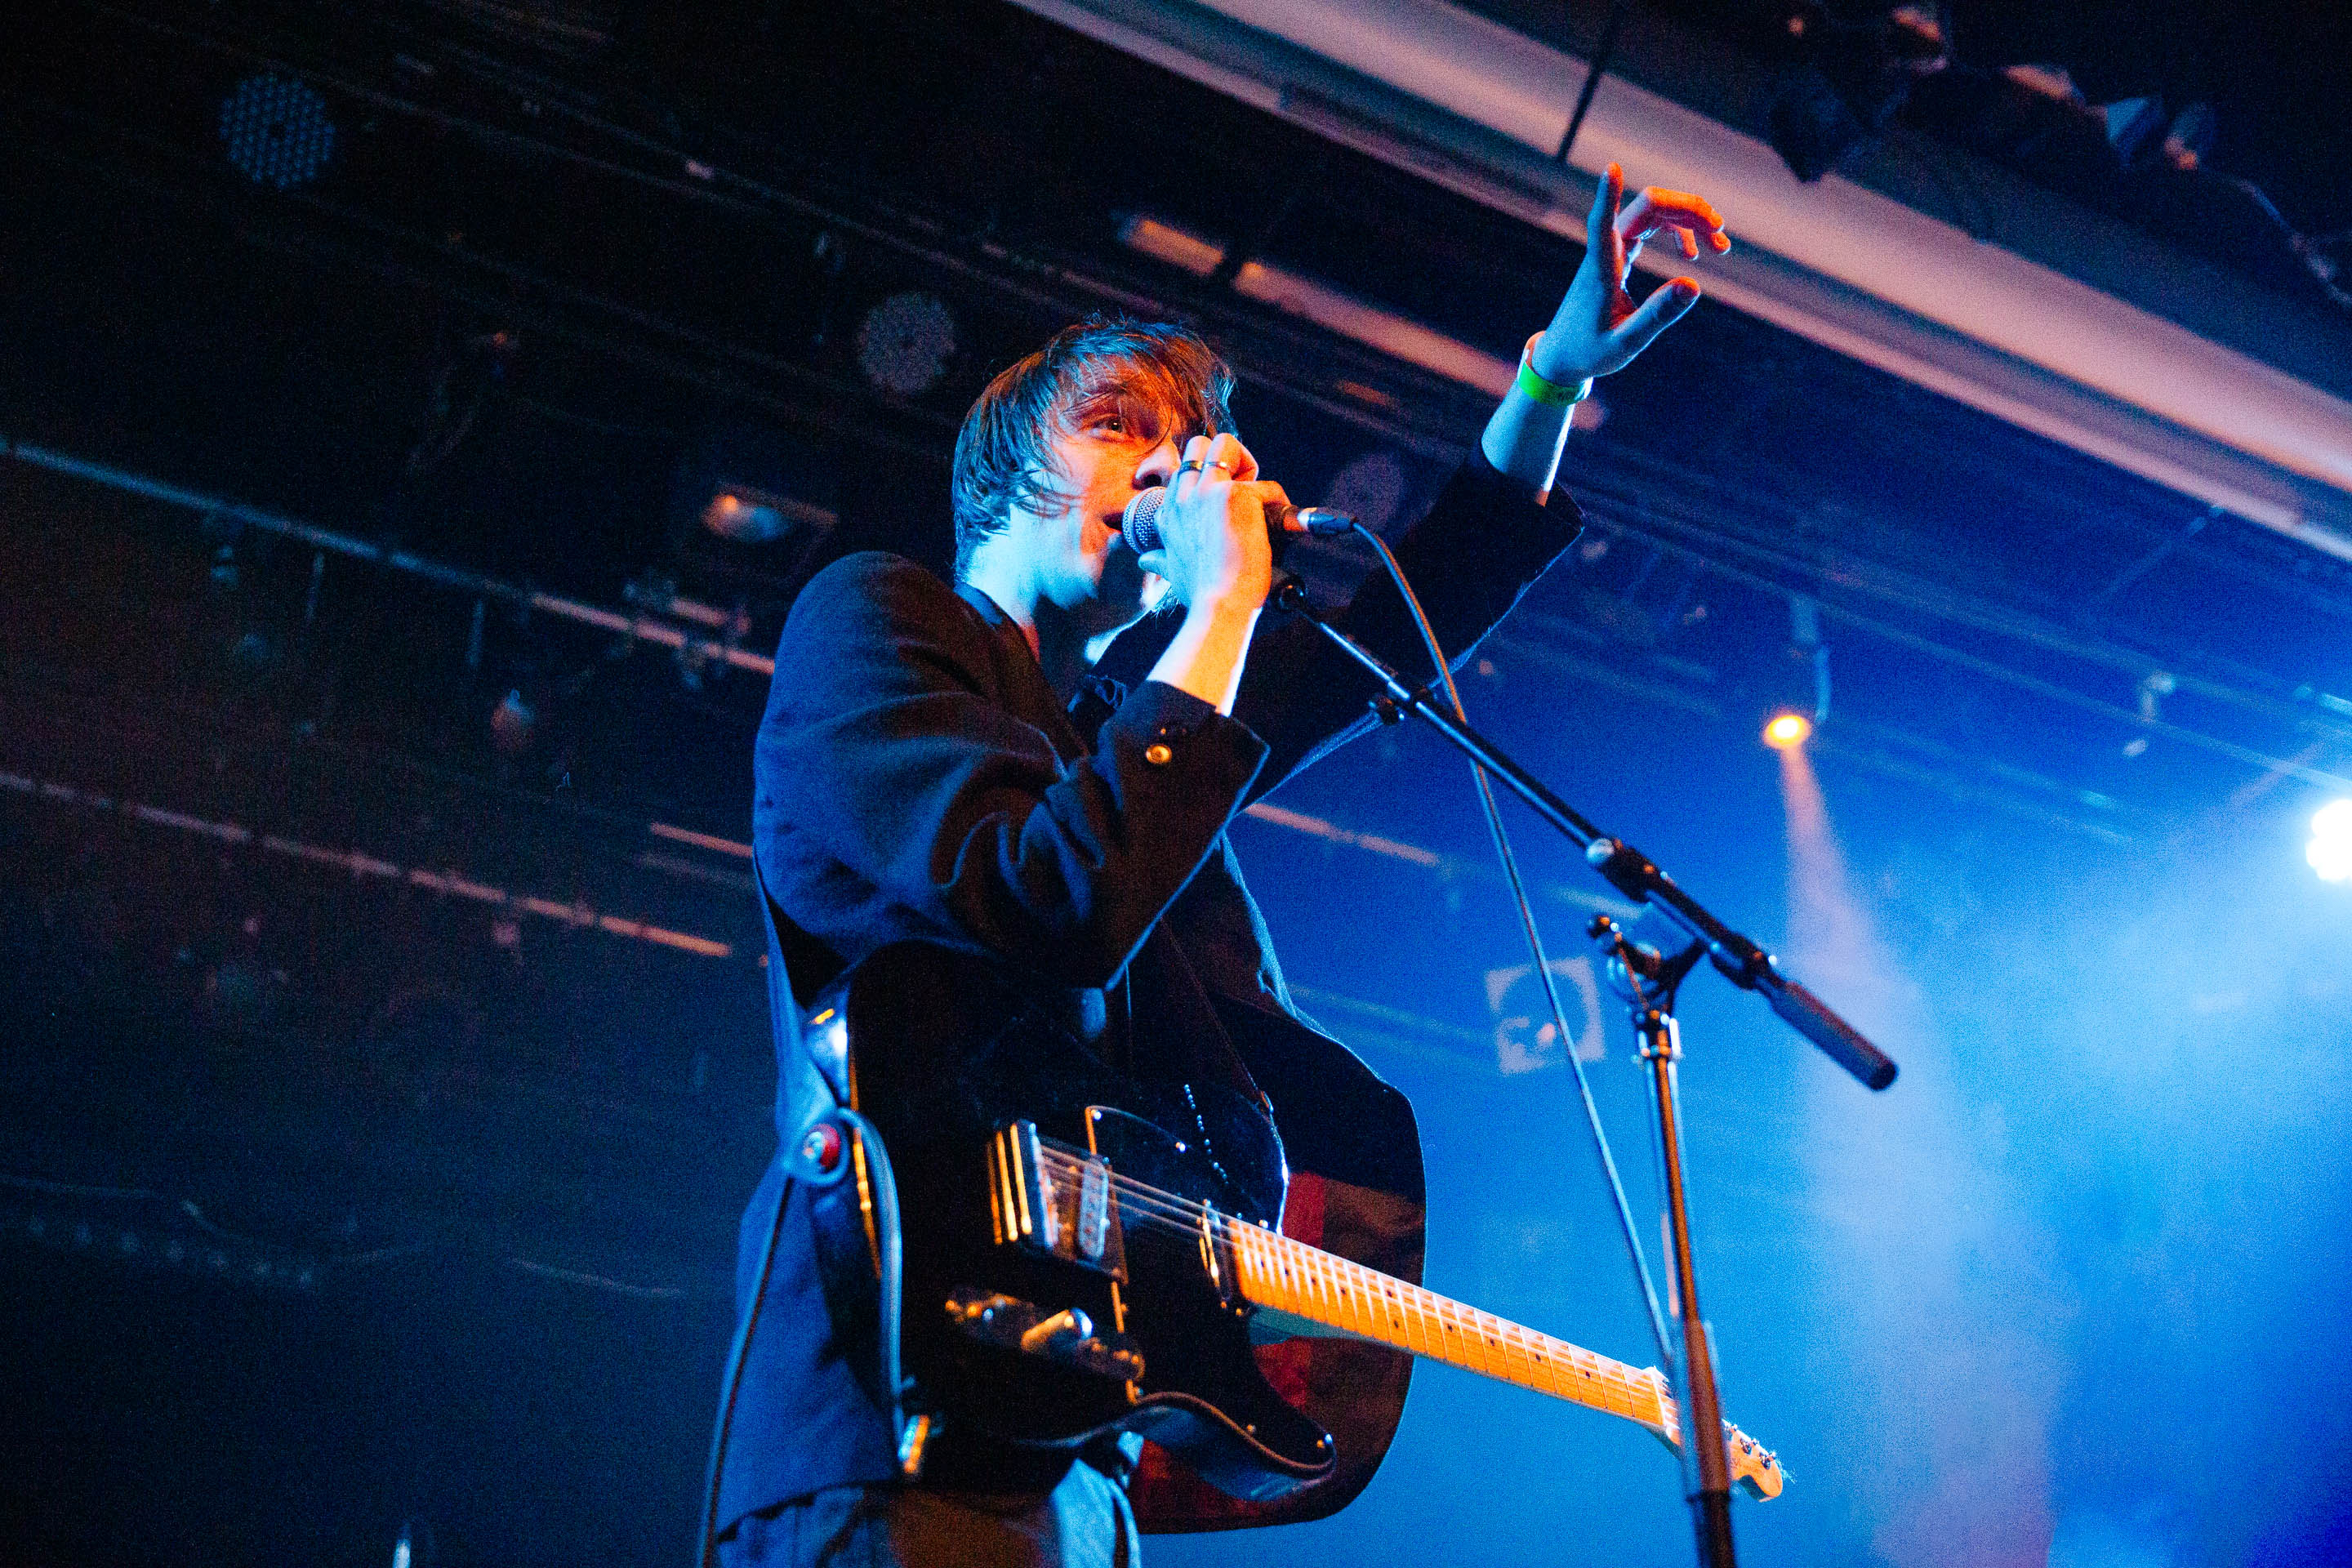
1528,928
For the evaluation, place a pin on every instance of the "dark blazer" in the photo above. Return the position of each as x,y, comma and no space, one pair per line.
916,779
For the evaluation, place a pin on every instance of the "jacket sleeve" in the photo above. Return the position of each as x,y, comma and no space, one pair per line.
1469,558
888,751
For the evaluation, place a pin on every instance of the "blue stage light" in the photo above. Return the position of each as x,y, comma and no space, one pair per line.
276,131
2330,850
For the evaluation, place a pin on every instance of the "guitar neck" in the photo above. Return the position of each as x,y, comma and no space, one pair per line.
1289,1277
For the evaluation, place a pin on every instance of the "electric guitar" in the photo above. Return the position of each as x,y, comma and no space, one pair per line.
1085,1252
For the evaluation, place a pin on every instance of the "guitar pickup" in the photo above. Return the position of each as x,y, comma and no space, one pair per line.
1056,1200
1067,1336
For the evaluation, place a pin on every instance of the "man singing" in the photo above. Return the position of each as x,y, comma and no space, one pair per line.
939,764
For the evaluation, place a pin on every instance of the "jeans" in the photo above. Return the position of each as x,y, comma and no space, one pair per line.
1084,1522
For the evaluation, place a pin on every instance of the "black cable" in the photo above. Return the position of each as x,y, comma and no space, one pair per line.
731,1384
892,1267
1534,936
1600,53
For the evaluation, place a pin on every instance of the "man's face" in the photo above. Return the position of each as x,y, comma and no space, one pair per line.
1116,443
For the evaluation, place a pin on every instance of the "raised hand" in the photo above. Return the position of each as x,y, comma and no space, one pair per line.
1599,329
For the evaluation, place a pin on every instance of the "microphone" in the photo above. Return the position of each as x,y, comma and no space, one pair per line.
1141,522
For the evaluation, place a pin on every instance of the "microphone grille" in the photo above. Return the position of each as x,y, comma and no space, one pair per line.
1141,522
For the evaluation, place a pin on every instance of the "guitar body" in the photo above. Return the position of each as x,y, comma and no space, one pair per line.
944,1060
1082,1250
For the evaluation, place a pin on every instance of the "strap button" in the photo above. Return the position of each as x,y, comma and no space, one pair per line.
821,1148
1158,753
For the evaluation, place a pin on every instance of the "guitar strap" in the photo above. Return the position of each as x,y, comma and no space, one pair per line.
813,1091
793,1102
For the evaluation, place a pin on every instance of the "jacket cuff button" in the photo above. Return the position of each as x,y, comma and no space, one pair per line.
1158,753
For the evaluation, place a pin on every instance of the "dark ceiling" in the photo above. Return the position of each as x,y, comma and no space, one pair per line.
2276,74
680,227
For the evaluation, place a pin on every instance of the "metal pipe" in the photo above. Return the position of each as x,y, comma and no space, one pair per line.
623,623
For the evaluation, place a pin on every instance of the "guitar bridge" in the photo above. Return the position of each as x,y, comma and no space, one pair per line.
1056,1200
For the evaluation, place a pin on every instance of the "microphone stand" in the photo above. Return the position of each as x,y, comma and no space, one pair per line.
1654,980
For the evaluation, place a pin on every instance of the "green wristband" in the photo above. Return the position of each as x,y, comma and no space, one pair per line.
1550,394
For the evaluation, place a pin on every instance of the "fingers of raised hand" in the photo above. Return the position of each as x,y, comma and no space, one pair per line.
1663,309
1693,221
1606,224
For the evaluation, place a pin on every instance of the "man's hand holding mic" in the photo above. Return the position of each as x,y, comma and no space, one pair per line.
1217,557
1205,531
1139,524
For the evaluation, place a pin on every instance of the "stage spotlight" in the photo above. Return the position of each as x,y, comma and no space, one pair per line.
748,501
2330,850
905,343
748,516
1792,692
276,131
512,724
415,1547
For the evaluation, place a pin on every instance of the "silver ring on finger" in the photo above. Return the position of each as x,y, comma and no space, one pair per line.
1190,466
1219,463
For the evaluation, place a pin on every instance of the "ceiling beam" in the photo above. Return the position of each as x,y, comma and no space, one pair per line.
1478,108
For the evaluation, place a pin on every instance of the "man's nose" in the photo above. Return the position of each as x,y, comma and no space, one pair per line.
1158,465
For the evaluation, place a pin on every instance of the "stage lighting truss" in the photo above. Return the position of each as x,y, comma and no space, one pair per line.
164,1244
2330,850
276,131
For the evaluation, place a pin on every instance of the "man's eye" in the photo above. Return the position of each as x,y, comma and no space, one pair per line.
1114,423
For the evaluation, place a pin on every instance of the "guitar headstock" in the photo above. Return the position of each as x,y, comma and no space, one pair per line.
1753,1465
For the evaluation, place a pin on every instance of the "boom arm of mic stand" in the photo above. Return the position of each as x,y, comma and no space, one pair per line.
1626,868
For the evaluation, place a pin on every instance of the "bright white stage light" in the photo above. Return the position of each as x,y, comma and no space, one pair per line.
2330,850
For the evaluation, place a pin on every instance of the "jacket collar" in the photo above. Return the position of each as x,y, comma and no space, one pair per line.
1031,696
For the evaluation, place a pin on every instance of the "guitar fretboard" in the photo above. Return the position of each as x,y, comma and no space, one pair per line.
1285,1276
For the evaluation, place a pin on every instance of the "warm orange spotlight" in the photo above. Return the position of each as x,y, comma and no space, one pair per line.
1787,729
